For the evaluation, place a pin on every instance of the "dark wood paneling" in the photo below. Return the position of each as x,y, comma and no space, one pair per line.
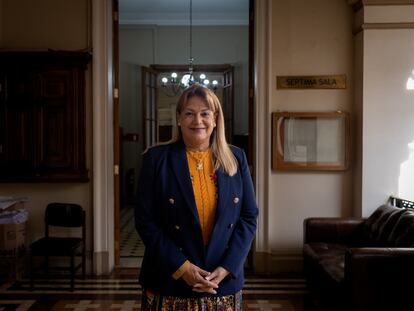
42,110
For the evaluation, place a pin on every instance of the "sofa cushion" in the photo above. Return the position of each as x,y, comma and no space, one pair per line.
335,267
403,233
330,257
381,223
318,251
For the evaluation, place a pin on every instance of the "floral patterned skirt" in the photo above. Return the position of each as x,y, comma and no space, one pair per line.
154,302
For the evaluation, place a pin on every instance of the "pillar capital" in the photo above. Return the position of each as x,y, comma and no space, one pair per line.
359,4
382,14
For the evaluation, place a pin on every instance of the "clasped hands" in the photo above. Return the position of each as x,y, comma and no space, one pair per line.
203,281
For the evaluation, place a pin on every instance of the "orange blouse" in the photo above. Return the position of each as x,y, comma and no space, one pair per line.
204,184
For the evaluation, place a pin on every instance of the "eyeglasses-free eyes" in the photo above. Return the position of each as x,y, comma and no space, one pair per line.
205,114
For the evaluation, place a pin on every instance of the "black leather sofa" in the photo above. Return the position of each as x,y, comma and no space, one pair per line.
361,263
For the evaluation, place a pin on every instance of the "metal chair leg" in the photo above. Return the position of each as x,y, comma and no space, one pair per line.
83,263
46,263
31,262
72,272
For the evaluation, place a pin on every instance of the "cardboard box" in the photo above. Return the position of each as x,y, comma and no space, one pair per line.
13,219
12,236
14,206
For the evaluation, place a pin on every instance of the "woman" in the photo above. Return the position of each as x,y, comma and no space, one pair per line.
196,212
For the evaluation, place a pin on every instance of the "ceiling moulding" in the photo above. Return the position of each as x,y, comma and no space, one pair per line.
387,2
179,19
388,26
358,4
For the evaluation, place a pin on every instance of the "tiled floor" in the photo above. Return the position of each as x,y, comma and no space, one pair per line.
122,292
127,305
130,243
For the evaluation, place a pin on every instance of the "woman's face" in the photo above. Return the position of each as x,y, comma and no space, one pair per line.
197,122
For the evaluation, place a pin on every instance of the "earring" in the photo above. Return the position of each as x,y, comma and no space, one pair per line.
178,124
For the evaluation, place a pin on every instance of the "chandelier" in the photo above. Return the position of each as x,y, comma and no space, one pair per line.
174,84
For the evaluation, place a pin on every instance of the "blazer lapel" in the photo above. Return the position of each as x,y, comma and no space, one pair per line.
223,184
180,168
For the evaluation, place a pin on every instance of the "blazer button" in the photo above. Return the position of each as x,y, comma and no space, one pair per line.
171,200
181,249
177,227
236,200
230,226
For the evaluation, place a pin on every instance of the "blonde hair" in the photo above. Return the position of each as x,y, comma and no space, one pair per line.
223,156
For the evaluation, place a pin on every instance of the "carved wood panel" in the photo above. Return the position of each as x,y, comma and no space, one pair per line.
42,116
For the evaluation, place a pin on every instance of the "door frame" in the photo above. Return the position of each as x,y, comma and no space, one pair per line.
116,119
256,72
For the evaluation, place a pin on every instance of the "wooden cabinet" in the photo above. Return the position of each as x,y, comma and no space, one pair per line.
42,116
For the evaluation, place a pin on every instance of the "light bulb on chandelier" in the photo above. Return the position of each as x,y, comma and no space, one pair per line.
173,85
177,84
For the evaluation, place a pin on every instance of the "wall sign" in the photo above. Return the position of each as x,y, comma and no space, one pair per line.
311,82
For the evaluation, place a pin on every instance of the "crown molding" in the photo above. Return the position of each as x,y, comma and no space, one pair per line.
388,2
376,26
359,4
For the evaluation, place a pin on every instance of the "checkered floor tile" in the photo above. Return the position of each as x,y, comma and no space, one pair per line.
122,292
130,244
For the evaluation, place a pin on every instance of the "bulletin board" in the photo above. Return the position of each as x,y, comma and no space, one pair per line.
310,141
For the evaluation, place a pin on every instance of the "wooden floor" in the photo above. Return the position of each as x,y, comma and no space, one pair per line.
121,292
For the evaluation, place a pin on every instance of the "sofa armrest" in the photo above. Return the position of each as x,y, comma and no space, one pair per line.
376,278
333,230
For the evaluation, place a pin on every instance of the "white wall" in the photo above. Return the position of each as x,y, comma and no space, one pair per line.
388,125
307,38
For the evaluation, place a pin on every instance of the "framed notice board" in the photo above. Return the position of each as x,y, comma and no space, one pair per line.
318,141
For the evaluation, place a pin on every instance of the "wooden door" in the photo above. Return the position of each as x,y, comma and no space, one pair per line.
42,116
19,116
55,115
252,126
115,77
228,103
2,117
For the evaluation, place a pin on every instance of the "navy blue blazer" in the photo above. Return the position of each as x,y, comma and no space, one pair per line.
167,220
